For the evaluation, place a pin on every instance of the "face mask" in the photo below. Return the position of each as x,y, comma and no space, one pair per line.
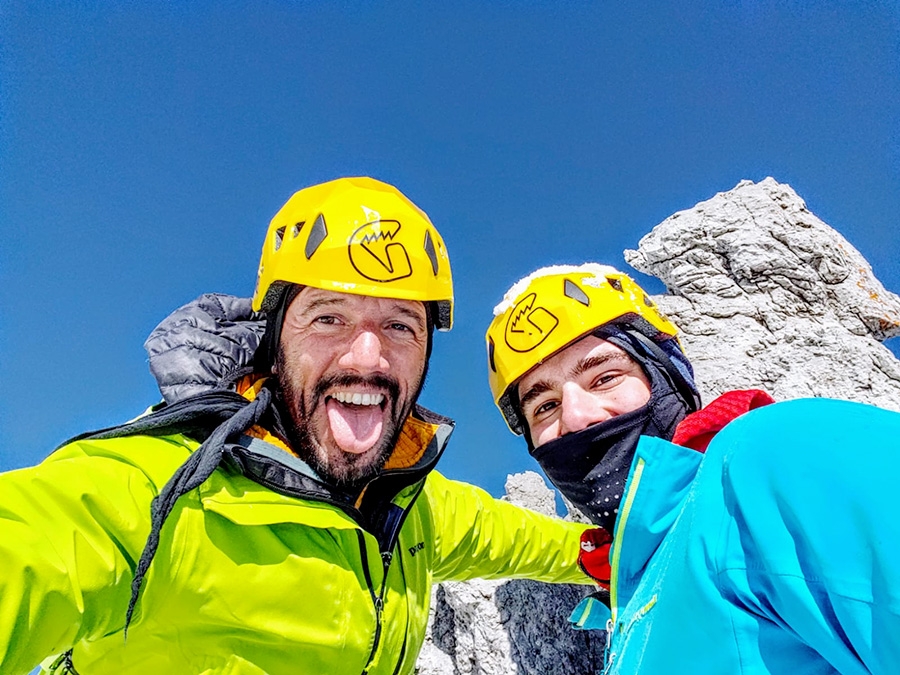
590,466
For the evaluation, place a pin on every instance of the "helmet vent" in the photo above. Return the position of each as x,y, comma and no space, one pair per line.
316,236
571,290
491,354
648,301
296,229
279,237
615,283
429,250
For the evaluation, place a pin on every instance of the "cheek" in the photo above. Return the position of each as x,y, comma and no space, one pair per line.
544,433
635,394
298,367
411,368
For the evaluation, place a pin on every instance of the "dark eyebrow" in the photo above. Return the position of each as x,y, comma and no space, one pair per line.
534,391
581,367
322,302
414,316
400,309
590,362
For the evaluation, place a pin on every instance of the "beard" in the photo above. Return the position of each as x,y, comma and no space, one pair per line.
339,468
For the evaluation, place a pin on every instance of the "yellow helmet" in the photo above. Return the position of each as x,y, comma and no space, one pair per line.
356,235
553,307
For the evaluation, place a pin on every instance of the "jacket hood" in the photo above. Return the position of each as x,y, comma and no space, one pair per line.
204,345
590,466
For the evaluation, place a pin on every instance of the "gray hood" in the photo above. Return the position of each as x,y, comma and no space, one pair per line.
202,345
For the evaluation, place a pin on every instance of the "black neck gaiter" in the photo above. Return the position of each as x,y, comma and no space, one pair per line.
590,466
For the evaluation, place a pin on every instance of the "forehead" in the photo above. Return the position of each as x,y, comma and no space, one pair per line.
561,365
309,299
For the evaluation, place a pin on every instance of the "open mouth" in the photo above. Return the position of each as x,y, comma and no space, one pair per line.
357,398
355,419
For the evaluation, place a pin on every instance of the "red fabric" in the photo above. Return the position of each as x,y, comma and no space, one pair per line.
594,556
697,429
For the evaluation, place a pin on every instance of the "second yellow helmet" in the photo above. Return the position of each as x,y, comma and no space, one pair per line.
553,307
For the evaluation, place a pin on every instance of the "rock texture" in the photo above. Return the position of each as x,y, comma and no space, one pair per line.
766,296
505,627
769,296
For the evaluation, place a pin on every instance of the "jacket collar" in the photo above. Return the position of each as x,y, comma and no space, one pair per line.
657,488
419,429
273,471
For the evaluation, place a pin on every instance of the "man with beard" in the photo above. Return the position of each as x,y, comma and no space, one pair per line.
734,539
286,519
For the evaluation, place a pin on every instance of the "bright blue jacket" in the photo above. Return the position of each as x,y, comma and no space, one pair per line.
778,551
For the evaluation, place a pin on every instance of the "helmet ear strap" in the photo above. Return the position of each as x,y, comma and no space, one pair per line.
431,309
267,352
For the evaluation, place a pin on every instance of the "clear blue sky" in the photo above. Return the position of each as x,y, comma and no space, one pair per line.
144,146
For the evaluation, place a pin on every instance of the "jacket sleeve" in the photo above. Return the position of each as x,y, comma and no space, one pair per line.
815,549
477,536
71,530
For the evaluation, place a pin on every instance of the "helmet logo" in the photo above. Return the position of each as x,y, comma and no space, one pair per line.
376,255
528,326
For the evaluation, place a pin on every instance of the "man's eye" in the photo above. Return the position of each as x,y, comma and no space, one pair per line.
607,379
329,320
402,328
544,407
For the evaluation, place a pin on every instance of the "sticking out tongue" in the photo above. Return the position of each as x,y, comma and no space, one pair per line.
355,428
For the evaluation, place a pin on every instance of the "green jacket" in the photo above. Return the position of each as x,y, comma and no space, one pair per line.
246,579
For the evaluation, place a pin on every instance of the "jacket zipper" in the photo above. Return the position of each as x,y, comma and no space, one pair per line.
387,557
378,599
406,632
610,656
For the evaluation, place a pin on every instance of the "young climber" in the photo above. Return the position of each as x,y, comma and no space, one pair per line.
743,540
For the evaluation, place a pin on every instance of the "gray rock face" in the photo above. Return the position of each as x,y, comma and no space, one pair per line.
769,296
503,627
766,296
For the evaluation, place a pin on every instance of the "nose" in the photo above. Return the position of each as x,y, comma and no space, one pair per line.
579,409
365,354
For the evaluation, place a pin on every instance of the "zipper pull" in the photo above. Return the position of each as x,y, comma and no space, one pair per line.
386,558
608,655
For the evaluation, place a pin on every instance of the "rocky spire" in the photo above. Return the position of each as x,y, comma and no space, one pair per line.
769,296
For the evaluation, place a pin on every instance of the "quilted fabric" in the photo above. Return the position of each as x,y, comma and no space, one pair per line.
202,344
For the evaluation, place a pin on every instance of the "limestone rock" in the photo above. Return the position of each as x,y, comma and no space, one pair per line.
504,627
528,489
766,296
